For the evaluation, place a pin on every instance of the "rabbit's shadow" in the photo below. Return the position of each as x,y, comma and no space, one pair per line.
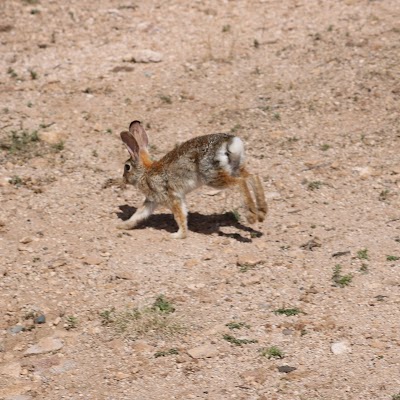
200,223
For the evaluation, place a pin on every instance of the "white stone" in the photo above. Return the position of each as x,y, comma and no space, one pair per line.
342,347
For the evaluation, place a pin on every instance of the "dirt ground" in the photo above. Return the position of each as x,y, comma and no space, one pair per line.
304,306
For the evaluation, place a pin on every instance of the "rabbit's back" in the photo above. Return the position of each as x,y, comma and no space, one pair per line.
202,160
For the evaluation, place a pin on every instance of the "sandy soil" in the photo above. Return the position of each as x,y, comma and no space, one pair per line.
88,311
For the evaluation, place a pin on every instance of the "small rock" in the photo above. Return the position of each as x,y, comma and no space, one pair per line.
122,68
45,345
25,248
16,329
342,347
93,260
41,319
204,351
58,262
213,192
145,56
365,172
26,240
125,275
287,332
52,137
311,244
286,369
250,260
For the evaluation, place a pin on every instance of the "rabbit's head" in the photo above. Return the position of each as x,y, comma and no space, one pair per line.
136,141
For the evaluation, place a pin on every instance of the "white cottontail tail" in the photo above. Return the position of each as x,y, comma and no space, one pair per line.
215,160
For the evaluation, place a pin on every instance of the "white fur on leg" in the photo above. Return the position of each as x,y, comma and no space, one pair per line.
141,214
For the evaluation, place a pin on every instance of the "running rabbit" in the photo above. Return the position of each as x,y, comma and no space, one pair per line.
216,160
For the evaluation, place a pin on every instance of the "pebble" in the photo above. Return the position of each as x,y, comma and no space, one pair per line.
145,56
26,240
125,275
286,369
93,260
41,319
25,248
204,351
45,345
249,259
58,262
341,347
16,329
364,172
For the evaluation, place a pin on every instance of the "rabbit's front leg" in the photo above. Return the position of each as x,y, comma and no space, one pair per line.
141,214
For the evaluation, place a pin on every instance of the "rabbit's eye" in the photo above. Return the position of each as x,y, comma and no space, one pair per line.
127,167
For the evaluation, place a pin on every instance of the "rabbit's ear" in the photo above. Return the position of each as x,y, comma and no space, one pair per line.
131,144
138,132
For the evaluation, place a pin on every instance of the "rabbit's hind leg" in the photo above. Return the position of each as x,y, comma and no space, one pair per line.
251,209
224,180
259,195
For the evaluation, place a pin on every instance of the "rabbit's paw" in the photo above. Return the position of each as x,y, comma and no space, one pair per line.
251,217
126,225
179,235
261,215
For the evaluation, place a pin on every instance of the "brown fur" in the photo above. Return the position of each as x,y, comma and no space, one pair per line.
214,160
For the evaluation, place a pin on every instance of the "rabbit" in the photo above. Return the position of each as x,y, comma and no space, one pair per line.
216,160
